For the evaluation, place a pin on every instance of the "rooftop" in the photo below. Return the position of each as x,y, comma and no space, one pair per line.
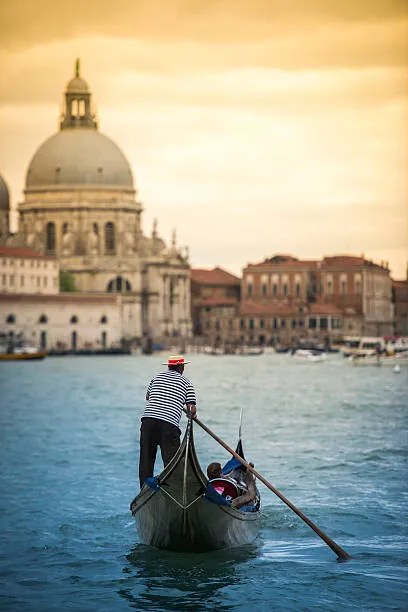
217,276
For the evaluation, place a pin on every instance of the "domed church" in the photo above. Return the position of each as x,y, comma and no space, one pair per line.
80,206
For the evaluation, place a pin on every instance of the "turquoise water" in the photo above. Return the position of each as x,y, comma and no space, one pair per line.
331,437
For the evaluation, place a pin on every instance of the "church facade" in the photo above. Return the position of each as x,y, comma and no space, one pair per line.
80,206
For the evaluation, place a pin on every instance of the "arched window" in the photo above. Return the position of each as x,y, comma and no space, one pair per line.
74,319
11,319
104,319
110,238
43,319
119,285
50,237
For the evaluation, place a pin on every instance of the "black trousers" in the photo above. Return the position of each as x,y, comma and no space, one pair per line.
154,433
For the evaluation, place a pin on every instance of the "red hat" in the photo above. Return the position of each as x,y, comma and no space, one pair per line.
175,360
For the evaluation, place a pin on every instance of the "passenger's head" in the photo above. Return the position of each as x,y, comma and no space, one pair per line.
214,471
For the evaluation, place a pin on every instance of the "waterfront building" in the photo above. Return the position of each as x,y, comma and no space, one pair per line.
287,300
80,207
215,298
25,271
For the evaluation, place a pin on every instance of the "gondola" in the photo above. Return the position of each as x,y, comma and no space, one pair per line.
180,510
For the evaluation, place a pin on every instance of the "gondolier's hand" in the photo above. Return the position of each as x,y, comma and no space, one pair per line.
192,411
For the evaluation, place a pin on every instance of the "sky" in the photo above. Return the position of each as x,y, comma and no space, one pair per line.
252,127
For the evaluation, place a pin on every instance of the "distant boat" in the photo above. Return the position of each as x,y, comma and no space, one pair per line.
21,356
398,359
308,356
250,350
19,350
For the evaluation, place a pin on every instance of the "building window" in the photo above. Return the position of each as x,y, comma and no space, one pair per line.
275,324
43,319
262,324
104,339
11,318
283,322
264,290
73,319
104,319
323,323
251,324
50,237
297,290
43,339
249,291
110,237
74,340
293,323
21,281
119,285
357,283
274,290
242,324
217,324
285,289
312,323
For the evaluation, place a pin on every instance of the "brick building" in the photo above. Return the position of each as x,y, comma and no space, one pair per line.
215,298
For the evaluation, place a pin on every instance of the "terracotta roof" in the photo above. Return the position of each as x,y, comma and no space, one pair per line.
284,261
217,276
350,261
23,252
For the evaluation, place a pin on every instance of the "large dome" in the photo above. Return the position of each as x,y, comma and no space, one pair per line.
79,157
4,195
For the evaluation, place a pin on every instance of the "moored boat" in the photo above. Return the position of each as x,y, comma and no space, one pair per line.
23,356
180,510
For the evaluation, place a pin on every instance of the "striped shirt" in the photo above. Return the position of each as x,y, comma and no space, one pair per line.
166,395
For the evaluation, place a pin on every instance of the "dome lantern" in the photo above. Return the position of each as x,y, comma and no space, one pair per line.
77,110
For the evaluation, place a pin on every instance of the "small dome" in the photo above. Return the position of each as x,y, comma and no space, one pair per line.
77,85
4,195
79,157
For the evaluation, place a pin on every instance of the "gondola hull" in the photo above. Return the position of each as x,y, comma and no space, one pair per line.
175,513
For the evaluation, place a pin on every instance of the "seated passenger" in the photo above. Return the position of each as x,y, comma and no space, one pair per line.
242,479
249,493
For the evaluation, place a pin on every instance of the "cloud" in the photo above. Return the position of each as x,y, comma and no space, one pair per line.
274,33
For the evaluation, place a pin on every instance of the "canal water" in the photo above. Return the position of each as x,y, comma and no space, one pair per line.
331,437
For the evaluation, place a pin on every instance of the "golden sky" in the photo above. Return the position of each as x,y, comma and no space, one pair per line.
252,127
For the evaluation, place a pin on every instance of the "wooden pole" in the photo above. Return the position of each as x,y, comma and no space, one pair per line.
340,552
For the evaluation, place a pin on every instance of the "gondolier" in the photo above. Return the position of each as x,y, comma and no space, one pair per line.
166,396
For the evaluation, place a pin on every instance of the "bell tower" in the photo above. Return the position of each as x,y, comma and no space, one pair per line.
77,107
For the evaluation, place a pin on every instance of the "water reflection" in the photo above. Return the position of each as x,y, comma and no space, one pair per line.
162,580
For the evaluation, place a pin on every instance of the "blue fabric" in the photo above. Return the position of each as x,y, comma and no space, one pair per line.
232,464
248,508
213,496
152,482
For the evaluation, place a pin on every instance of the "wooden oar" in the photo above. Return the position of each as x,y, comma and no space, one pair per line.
340,552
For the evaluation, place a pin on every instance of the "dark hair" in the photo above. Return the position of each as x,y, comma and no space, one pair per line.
214,470
177,368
